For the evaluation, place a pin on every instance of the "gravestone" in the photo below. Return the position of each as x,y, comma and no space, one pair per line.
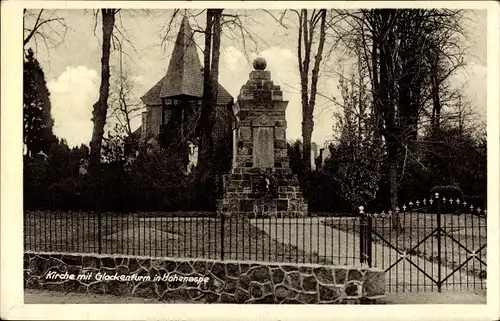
260,151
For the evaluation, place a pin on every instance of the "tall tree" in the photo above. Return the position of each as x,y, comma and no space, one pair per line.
399,48
358,154
124,105
211,56
309,26
38,122
100,110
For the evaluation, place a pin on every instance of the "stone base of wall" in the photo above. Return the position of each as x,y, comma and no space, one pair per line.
217,281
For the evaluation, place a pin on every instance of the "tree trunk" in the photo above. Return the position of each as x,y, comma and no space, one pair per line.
305,43
307,129
214,70
306,32
377,106
393,183
101,106
406,104
416,97
436,103
206,89
210,86
388,109
390,134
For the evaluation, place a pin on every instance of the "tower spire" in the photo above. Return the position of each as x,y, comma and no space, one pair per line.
184,76
184,71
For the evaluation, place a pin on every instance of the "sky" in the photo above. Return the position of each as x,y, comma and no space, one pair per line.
72,64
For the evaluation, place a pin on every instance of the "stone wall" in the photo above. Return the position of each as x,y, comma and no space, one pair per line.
226,281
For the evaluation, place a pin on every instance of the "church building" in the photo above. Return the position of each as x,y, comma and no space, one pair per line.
173,105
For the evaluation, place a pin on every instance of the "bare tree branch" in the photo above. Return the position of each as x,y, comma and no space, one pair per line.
43,27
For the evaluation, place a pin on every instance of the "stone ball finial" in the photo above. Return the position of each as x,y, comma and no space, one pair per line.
259,63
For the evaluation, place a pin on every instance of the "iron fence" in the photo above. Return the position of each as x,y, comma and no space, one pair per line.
426,245
429,244
314,239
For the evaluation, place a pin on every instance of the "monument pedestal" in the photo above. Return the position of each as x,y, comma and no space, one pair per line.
261,182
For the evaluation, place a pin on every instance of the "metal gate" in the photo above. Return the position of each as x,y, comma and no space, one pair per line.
427,245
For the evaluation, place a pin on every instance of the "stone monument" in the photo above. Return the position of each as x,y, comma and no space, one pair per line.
261,182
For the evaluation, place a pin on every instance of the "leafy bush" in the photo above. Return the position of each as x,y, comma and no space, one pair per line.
155,181
447,191
320,189
68,194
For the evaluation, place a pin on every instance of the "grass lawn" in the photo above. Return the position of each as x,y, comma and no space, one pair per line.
468,230
157,235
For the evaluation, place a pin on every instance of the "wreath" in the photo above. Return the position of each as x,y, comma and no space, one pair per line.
268,187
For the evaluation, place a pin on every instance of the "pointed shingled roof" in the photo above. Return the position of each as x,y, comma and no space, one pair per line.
184,74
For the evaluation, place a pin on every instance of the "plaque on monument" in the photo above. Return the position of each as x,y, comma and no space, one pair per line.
263,142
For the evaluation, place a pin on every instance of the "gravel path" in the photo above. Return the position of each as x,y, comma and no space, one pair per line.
446,297
339,247
327,241
51,297
32,296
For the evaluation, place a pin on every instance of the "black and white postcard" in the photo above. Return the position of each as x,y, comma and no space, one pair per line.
246,160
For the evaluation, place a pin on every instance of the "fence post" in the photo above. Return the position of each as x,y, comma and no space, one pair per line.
362,234
365,238
99,224
438,200
222,236
369,239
